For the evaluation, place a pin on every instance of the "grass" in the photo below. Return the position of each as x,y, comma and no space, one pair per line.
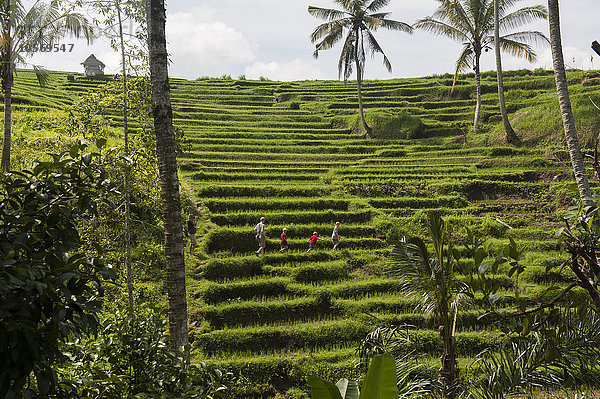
277,318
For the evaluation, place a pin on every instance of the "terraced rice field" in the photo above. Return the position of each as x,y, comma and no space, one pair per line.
279,150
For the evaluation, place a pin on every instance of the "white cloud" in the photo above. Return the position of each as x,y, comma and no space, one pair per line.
200,48
291,70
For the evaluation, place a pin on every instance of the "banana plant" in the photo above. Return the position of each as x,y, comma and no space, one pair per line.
380,383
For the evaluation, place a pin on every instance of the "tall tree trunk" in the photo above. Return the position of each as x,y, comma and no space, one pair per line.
565,105
478,88
127,168
7,82
358,84
448,373
511,137
167,164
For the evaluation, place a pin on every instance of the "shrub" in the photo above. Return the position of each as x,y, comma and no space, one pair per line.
50,289
132,356
388,126
294,106
70,78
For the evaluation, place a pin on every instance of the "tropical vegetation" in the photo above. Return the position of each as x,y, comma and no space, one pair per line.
25,31
356,22
472,23
508,304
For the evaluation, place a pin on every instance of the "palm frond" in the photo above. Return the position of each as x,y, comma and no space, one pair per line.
517,49
330,40
464,62
411,264
529,37
377,5
348,5
42,75
347,57
374,47
441,28
327,29
523,16
396,25
454,14
326,13
360,56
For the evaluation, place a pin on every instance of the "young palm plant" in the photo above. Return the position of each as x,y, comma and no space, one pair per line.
472,23
357,22
429,279
23,31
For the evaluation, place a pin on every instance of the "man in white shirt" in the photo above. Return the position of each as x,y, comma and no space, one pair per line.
260,236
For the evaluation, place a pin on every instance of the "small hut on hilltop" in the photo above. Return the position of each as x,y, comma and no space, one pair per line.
93,66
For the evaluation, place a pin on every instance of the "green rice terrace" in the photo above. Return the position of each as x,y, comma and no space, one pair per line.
291,152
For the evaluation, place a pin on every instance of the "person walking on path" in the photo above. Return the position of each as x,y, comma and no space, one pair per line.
284,243
191,228
335,236
261,237
313,241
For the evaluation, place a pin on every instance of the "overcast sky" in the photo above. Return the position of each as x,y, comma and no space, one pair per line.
270,38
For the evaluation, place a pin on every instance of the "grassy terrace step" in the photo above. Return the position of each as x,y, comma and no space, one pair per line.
273,148
232,242
273,170
254,312
298,142
264,123
328,335
300,203
234,129
241,267
304,217
453,201
281,176
357,230
262,156
246,118
211,163
407,159
270,135
232,191
264,287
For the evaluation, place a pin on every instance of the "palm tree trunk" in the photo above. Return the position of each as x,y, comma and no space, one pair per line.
565,105
448,373
478,88
358,84
7,89
167,164
511,137
127,169
7,82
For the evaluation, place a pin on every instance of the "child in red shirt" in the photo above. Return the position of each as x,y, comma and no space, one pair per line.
284,243
313,241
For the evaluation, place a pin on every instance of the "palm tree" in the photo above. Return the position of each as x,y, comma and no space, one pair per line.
167,165
357,20
471,22
25,31
565,105
511,137
431,281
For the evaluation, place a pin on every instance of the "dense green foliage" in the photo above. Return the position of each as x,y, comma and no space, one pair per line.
50,289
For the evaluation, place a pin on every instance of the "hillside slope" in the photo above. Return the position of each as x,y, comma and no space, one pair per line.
287,151
282,151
